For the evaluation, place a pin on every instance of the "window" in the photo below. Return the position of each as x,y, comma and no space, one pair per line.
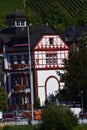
22,57
22,23
18,23
12,23
19,59
51,41
26,58
51,59
11,59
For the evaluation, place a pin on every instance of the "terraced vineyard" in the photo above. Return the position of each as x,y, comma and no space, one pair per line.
48,11
38,6
76,8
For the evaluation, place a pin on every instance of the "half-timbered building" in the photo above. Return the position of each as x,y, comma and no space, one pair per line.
32,57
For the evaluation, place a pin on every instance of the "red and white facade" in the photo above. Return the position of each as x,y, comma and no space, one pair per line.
49,53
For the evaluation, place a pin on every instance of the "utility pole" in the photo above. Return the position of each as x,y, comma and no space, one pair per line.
31,78
1,115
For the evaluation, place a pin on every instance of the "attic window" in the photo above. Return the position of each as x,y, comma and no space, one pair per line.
12,23
51,41
22,22
18,23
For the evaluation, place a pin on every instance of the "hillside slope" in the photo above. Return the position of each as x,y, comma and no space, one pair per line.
59,13
76,8
6,7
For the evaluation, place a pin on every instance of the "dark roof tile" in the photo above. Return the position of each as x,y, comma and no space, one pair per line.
72,33
20,34
16,14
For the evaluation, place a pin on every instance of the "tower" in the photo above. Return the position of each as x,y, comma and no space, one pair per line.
16,19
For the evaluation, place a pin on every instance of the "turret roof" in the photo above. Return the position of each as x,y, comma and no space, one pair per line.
16,14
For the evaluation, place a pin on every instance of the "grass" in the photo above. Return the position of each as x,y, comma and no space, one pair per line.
29,127
24,127
81,127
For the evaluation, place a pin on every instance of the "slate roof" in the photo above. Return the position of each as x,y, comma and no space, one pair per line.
72,33
16,14
20,34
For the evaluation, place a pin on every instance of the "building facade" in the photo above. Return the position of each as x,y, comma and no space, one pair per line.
32,57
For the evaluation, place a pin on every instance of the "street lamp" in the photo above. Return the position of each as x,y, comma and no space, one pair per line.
31,77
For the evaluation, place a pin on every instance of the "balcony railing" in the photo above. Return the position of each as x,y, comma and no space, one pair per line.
20,87
19,107
18,66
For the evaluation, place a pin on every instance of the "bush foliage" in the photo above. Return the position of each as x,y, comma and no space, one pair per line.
58,118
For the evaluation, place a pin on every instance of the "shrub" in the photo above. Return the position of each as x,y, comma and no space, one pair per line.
37,103
19,127
58,118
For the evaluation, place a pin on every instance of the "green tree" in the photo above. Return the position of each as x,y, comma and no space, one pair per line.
3,99
3,94
75,77
58,118
33,17
82,41
50,100
82,18
56,15
37,103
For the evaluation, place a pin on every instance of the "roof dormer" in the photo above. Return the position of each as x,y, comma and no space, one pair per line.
16,19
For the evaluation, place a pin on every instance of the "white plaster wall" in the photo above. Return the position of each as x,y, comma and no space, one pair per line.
44,74
41,95
52,84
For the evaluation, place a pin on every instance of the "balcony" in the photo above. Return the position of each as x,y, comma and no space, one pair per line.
18,107
18,66
19,87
